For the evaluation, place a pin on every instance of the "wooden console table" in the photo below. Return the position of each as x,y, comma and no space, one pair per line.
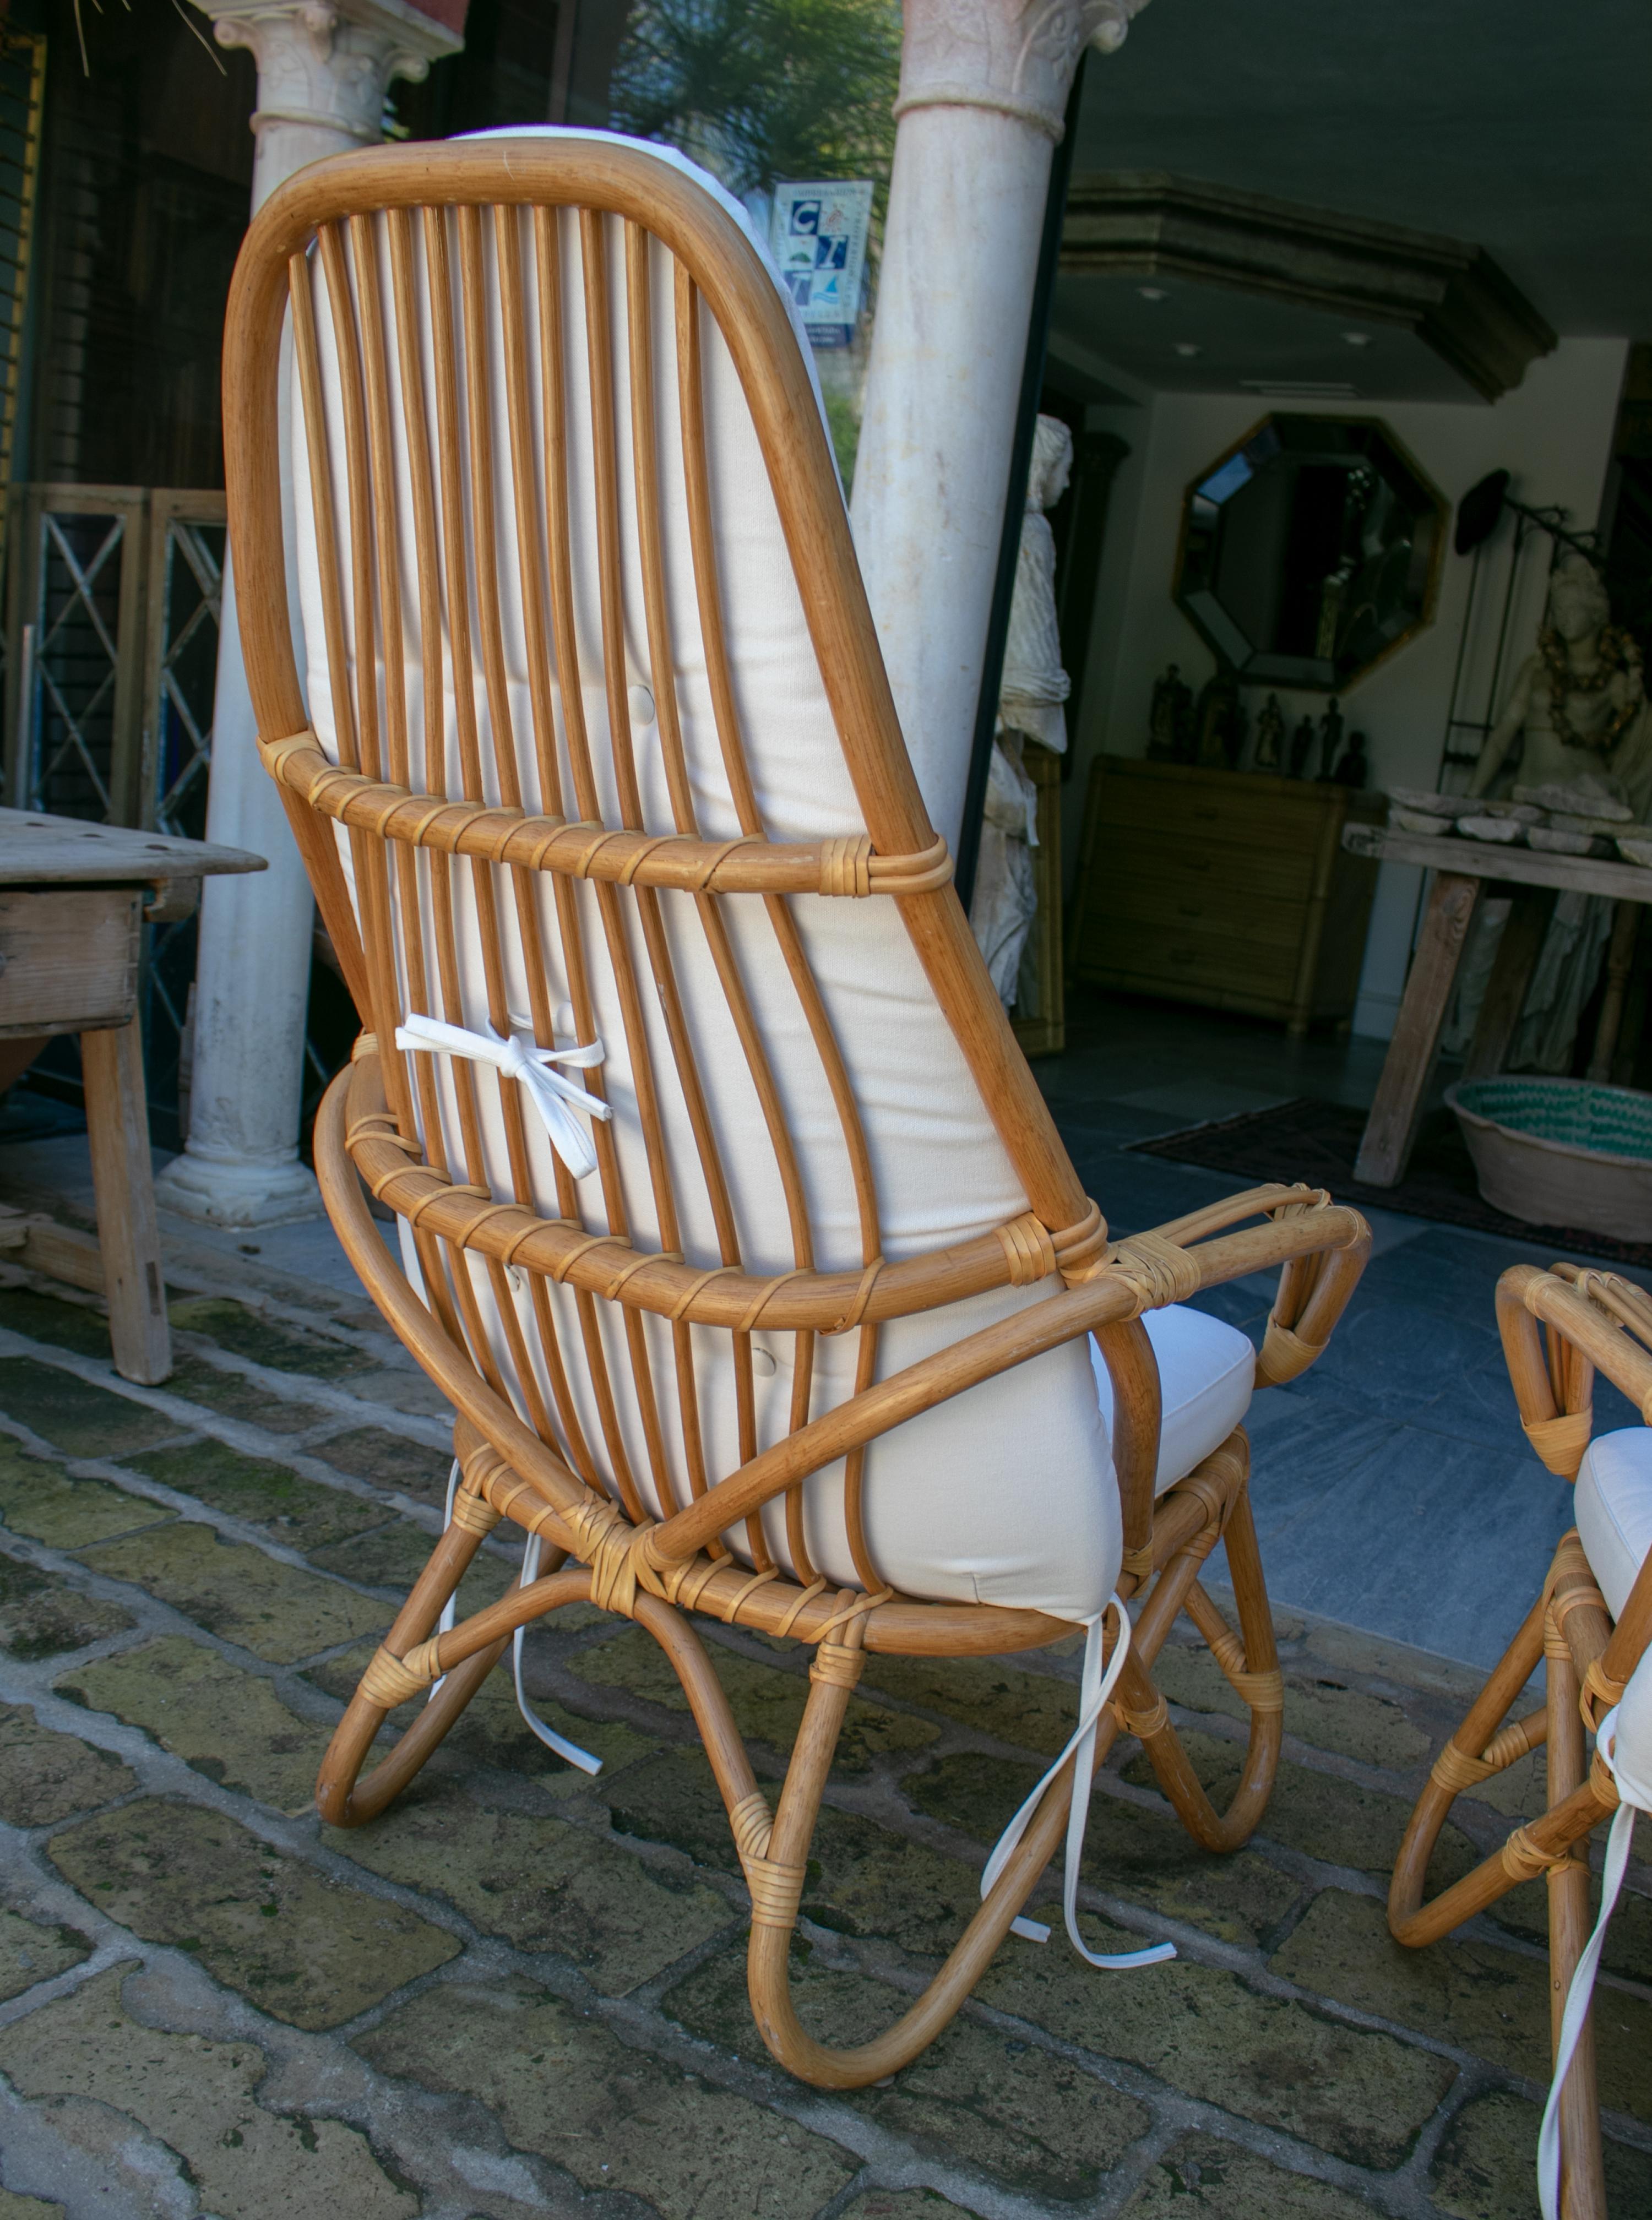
73,899
1464,870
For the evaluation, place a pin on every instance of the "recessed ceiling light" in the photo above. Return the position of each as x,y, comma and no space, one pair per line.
1187,347
1357,338
1151,292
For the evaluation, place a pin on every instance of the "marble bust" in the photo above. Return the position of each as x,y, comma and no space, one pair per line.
1576,698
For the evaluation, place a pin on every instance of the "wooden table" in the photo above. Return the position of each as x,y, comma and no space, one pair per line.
1463,872
73,899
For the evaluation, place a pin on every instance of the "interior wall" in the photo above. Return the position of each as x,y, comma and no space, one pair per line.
1554,432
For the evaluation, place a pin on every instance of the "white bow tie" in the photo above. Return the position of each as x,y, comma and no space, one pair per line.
550,1093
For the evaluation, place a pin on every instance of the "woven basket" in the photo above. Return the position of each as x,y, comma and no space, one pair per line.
1563,1153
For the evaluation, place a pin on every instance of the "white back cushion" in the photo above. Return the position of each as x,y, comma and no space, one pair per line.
1005,1495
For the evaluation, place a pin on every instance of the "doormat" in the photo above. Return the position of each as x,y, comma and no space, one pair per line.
1317,1142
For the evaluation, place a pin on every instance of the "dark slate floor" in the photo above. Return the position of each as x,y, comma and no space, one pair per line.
1393,1487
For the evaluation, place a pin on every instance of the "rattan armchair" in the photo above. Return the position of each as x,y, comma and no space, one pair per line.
731,1220
1589,1626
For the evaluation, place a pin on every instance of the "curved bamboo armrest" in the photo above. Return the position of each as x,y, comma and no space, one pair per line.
1591,1321
1316,1280
1321,1259
1588,1319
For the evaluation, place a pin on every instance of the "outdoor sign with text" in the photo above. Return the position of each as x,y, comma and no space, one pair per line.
819,235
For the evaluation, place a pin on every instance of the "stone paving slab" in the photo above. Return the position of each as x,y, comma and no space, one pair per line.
41,1501
297,1944
41,1613
1041,2126
194,2098
31,1952
225,1722
521,1989
543,1885
1142,1855
267,1606
44,1777
620,2119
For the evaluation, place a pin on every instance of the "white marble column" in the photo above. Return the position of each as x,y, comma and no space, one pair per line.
324,67
983,90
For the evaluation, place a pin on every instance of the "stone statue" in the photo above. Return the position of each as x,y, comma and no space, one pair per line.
1576,697
1331,738
1030,697
1578,711
1169,720
1034,685
1270,736
1301,748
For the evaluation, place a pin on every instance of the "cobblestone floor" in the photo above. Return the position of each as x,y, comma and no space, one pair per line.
522,1991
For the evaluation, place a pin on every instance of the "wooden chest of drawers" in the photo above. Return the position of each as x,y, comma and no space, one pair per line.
1230,888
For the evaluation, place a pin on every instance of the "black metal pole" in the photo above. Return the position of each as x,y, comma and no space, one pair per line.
1009,544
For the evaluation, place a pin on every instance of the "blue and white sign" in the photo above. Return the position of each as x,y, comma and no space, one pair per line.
818,233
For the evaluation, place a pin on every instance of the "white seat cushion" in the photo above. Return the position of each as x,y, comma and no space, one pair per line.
1613,1508
1207,1372
1005,1495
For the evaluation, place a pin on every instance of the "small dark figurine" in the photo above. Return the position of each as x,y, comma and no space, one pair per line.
1301,748
1218,723
1270,736
1238,735
1169,720
1353,770
1330,739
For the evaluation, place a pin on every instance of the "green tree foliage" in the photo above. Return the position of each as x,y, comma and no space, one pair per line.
758,91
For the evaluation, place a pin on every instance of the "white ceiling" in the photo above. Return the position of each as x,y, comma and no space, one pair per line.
1520,127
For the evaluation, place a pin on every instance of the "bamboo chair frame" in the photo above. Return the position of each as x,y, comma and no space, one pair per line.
534,1466
1558,1327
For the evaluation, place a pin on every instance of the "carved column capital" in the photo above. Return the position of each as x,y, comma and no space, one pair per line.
326,64
1016,56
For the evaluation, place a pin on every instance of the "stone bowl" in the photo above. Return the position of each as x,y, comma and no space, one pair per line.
1523,812
1503,830
1422,802
1584,796
1564,1152
1552,841
1416,820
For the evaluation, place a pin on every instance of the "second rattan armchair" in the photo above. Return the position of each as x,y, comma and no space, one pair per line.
1589,1627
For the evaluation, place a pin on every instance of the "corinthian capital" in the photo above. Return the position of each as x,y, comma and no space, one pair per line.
1017,56
328,65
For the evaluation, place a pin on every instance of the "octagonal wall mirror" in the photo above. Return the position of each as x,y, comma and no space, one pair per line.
1311,551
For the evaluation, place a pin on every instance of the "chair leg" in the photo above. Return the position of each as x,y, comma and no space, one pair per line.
1474,1752
341,1799
1583,2195
776,1861
1555,1845
1250,1662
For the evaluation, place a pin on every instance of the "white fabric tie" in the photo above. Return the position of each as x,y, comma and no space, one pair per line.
1095,1686
1623,1743
554,1097
569,1751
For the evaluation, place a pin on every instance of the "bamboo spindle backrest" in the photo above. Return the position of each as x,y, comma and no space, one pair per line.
569,542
